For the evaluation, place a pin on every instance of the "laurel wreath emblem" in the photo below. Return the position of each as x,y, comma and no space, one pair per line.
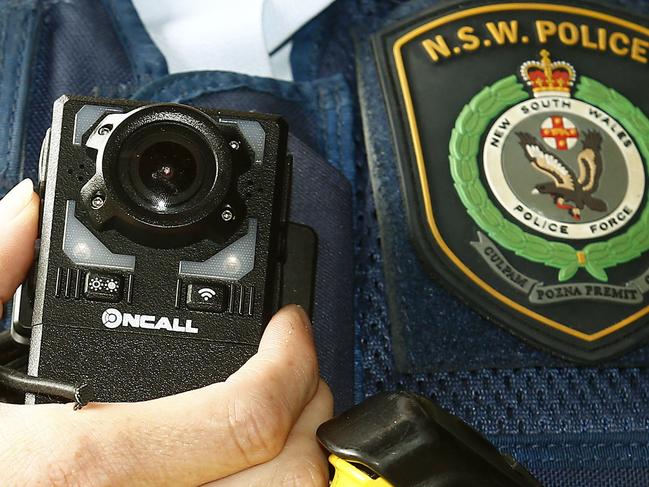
464,148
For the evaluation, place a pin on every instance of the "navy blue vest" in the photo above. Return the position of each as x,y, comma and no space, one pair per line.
571,426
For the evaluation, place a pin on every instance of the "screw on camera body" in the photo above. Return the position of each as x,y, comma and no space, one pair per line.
235,144
227,214
97,201
105,129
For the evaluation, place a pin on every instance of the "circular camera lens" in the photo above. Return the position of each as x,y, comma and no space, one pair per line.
166,167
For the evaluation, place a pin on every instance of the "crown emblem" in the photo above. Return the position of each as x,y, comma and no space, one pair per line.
547,77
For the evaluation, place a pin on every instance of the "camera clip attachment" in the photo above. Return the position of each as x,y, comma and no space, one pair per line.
404,440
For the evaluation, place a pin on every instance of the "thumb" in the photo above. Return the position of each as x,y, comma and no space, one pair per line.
182,440
18,230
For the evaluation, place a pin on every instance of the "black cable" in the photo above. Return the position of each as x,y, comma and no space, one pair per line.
13,357
18,381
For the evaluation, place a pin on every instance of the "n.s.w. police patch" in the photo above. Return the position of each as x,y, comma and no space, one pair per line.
522,132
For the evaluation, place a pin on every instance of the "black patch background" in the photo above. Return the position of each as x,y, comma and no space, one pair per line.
439,92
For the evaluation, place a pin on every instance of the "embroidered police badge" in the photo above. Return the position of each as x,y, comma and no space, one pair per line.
522,134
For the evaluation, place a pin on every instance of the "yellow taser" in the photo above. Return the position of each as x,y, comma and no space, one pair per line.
348,475
405,440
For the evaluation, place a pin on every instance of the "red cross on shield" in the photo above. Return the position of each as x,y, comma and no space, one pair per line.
559,132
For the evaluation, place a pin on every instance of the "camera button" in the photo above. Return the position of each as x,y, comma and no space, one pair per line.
103,287
207,297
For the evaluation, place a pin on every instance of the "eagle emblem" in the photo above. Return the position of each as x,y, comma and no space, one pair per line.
569,191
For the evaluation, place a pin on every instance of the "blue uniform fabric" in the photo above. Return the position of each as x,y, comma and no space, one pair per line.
18,25
571,426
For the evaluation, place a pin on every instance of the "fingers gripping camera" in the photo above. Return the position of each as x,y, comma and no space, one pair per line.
164,246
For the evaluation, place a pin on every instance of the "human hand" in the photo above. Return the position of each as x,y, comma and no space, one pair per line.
256,428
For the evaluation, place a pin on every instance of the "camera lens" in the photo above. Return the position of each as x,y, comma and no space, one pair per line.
166,167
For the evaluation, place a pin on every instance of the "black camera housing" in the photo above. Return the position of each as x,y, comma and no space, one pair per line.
164,246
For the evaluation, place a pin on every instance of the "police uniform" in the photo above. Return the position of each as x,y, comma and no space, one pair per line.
392,309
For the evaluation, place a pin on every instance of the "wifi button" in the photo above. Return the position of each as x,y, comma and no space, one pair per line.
207,297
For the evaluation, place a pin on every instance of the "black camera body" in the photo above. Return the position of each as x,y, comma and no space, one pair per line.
164,246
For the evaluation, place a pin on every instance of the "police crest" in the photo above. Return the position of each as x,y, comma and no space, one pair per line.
523,139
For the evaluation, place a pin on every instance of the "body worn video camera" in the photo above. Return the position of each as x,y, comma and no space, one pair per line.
164,247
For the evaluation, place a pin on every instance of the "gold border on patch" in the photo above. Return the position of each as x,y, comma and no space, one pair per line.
421,168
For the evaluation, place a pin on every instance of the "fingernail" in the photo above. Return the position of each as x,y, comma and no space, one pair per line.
16,199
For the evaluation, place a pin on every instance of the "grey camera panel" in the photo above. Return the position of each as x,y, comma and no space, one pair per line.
86,118
83,248
254,134
230,264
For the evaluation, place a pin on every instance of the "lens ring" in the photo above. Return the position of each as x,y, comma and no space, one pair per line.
176,142
168,166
